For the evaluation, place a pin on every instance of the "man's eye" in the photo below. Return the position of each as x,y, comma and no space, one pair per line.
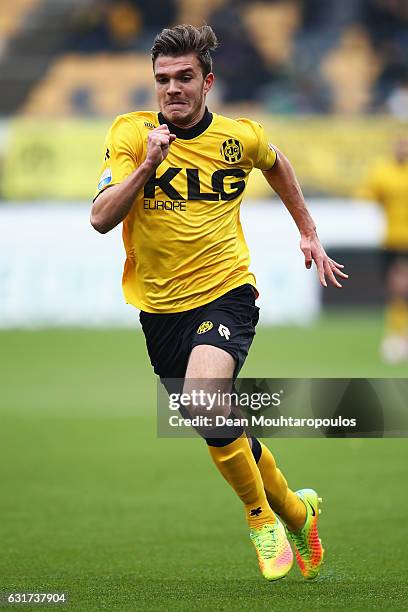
186,78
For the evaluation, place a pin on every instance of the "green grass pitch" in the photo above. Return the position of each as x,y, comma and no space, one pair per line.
93,504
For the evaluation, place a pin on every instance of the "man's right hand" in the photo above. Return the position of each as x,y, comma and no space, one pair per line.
158,144
114,204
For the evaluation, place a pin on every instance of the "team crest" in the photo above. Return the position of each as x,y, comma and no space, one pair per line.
205,327
231,150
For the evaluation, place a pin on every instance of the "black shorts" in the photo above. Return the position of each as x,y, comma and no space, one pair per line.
228,322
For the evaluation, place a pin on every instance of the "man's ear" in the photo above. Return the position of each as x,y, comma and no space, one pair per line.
208,82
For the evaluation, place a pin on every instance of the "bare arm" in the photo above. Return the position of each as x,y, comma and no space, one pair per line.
281,177
113,205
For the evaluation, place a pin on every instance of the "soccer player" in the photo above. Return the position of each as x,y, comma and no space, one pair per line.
387,183
176,179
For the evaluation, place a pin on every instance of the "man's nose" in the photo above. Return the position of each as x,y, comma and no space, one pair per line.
173,87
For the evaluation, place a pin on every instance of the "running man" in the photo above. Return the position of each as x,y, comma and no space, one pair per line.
176,179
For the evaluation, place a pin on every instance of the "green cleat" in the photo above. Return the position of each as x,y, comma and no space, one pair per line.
274,553
308,547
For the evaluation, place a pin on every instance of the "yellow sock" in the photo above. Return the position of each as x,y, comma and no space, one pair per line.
237,464
281,499
397,317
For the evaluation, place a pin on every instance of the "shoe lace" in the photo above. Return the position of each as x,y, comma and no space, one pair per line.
301,544
266,541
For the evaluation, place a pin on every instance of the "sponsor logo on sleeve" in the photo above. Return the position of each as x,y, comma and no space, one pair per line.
105,178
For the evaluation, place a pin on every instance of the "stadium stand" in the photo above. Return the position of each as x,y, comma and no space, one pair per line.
78,85
33,46
12,16
288,56
272,28
197,12
351,69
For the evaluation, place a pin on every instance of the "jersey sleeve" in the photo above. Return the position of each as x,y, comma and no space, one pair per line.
266,154
122,152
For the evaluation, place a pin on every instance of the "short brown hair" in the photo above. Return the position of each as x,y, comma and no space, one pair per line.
184,39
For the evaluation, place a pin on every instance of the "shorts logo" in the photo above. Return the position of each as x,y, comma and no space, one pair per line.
224,332
205,327
231,150
105,178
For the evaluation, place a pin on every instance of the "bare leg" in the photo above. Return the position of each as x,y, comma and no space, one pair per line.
211,369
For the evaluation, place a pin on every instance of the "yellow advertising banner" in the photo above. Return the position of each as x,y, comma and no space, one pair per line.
331,155
62,159
53,159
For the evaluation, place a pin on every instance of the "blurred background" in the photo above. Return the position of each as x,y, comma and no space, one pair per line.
328,80
82,469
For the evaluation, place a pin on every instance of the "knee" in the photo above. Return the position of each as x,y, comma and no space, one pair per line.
207,401
205,406
207,409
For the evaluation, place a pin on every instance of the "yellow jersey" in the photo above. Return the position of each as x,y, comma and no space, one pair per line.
388,184
183,237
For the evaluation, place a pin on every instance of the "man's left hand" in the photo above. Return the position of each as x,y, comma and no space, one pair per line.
313,251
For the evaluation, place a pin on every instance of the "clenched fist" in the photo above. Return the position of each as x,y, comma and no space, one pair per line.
158,144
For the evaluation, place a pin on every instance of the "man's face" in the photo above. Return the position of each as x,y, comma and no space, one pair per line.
181,88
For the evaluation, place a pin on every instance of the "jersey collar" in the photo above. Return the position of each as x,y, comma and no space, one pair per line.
192,132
